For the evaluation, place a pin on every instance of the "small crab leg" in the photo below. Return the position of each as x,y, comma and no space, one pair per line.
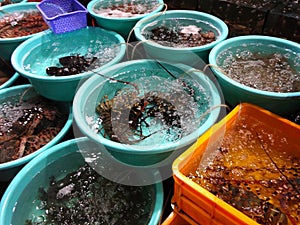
22,146
23,141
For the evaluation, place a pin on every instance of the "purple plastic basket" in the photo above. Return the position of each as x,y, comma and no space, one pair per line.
63,15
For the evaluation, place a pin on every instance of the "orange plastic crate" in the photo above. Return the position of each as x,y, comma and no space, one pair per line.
175,219
200,204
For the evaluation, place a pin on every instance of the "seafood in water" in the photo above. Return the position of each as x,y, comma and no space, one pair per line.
27,126
71,65
251,172
127,10
267,72
21,23
135,113
183,37
242,195
5,2
132,116
85,197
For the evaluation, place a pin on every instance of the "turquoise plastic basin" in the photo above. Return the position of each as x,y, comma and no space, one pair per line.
8,45
9,169
172,18
235,93
122,26
18,201
32,57
156,153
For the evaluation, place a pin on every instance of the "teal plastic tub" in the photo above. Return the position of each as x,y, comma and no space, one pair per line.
21,197
33,56
149,76
234,92
176,19
120,25
8,45
10,81
9,169
15,1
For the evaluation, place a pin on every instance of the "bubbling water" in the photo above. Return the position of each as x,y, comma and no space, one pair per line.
268,72
162,111
26,126
254,169
125,9
85,197
181,32
102,50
